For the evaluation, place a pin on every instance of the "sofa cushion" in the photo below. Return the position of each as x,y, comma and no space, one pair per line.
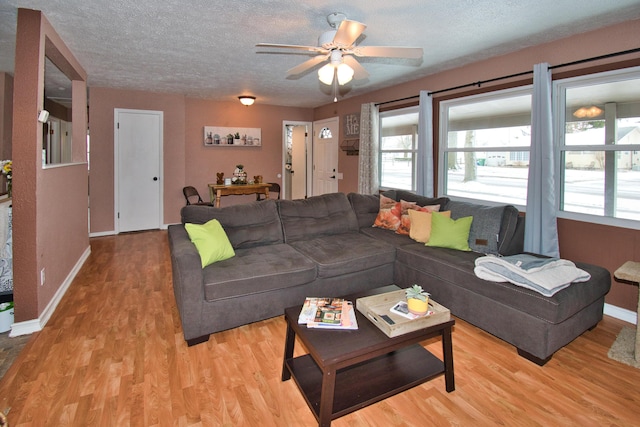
387,236
255,270
247,225
456,268
211,241
366,207
316,216
450,233
346,253
491,224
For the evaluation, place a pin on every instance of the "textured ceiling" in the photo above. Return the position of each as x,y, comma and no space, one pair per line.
206,48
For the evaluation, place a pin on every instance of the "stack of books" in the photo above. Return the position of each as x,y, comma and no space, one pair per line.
328,313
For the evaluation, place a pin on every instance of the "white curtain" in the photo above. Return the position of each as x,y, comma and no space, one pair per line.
368,182
424,174
541,233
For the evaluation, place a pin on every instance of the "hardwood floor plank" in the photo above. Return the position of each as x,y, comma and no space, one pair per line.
113,354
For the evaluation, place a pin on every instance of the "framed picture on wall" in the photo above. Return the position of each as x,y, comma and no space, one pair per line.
215,136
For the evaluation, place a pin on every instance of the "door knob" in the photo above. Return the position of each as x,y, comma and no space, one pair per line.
155,178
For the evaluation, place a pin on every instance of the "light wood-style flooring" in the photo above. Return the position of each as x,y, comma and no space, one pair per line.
113,354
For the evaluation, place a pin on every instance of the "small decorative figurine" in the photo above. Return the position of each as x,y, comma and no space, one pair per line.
257,179
220,179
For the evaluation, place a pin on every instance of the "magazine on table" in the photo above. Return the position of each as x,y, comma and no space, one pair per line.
402,309
328,313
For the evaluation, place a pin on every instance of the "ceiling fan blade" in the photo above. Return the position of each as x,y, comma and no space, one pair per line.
348,32
359,72
294,46
306,65
387,51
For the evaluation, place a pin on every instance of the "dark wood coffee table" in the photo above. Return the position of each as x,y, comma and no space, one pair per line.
347,370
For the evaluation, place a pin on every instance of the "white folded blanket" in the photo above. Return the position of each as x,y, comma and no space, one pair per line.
544,275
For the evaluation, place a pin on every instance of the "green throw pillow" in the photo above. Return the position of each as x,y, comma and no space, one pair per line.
211,241
450,233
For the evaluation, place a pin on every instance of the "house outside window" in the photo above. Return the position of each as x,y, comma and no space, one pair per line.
485,143
598,147
398,148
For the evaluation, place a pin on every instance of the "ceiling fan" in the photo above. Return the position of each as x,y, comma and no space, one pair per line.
338,47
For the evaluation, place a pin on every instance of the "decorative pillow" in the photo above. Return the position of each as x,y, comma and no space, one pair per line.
389,214
211,241
405,220
450,233
420,230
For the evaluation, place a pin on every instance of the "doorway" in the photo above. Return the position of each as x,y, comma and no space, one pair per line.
137,170
296,160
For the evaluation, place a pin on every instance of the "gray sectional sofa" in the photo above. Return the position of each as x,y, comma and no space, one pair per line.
326,246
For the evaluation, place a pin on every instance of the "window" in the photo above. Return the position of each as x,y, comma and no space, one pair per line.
484,146
398,148
598,145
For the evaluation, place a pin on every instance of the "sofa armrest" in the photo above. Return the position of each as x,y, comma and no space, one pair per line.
188,285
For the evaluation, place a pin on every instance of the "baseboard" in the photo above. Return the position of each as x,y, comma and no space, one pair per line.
113,232
35,325
621,313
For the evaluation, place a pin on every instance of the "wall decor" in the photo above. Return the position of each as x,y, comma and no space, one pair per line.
351,134
215,136
351,125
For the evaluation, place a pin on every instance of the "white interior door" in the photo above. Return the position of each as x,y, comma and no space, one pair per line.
325,156
138,170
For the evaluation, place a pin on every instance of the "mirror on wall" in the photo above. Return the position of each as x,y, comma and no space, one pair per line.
56,132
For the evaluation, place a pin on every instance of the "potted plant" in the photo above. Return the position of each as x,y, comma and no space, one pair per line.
417,300
236,138
230,139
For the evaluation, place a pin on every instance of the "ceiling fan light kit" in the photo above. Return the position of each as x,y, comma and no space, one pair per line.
338,46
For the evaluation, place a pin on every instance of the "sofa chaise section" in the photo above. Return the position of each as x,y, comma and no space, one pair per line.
536,325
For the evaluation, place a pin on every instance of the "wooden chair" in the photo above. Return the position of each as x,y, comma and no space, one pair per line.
274,187
193,197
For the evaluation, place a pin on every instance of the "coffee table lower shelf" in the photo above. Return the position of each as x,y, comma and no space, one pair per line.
368,382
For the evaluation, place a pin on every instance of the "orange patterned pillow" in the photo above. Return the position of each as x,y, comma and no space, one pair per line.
389,214
405,220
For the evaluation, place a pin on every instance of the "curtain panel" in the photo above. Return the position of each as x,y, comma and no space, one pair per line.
541,233
424,161
368,182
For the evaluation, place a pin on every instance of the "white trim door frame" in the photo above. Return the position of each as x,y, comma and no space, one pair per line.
138,170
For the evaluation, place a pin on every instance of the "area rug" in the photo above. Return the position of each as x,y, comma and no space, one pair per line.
623,348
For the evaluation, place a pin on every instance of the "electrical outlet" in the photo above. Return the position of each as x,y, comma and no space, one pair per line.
42,277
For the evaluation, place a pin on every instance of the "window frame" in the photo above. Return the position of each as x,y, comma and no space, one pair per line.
443,137
413,151
560,87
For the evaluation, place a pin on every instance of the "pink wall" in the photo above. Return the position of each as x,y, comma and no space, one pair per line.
186,160
49,205
607,246
102,102
204,162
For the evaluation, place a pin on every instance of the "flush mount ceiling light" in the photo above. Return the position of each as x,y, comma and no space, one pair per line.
587,112
247,100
